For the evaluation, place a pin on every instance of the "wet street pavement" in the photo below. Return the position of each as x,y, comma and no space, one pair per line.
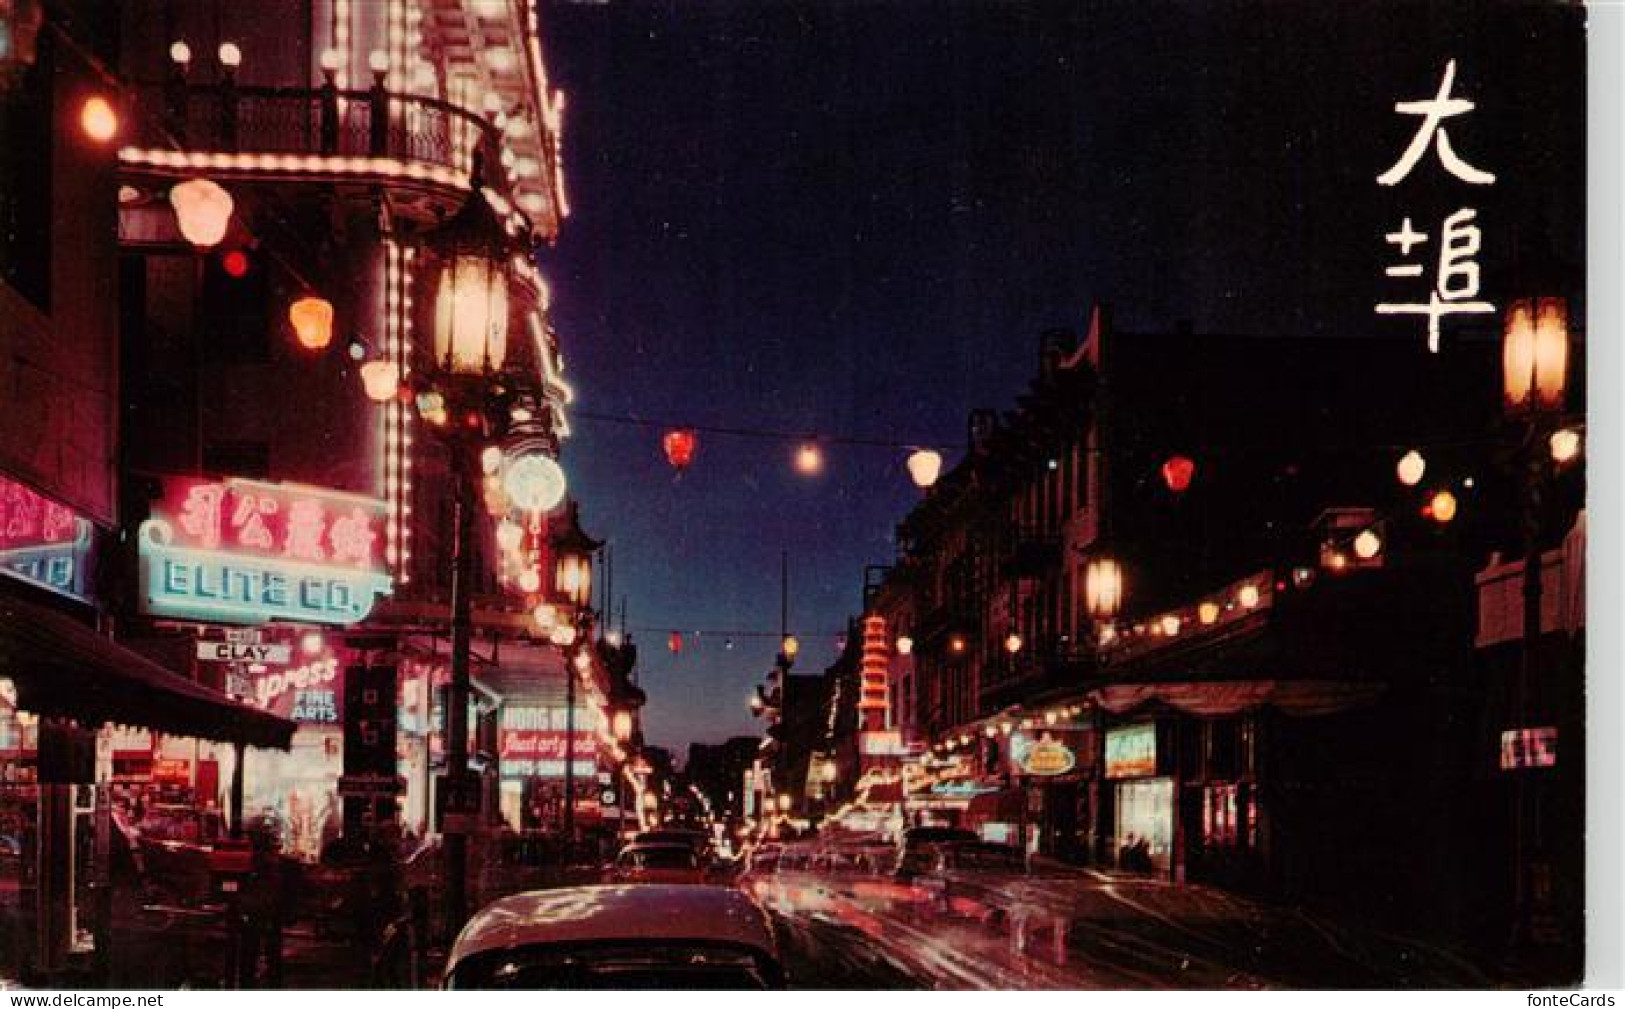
1077,930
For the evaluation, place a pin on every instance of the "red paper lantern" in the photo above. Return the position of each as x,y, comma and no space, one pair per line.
675,643
1177,473
235,263
680,445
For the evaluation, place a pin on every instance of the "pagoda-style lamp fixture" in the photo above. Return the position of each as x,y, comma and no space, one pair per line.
573,551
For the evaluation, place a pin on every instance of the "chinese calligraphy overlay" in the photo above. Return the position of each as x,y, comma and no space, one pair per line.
1451,248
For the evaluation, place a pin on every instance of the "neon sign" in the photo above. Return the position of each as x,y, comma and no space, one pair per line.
41,541
246,552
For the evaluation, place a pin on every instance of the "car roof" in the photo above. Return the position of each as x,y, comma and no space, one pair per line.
600,913
686,849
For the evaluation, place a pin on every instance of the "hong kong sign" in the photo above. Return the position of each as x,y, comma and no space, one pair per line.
246,552
41,541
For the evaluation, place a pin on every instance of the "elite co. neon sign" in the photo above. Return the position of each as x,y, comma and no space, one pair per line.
248,552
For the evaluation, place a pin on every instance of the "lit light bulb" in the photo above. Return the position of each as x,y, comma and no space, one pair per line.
905,644
545,616
1013,643
509,533
1367,545
491,459
1411,467
1248,596
230,55
1170,625
98,120
312,643
1442,507
1565,445
180,52
809,460
529,580
1207,613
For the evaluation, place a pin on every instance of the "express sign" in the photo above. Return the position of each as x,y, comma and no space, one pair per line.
242,551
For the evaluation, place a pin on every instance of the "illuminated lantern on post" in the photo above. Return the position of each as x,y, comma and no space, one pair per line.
203,211
573,551
1103,588
312,320
1535,355
1177,473
471,302
680,445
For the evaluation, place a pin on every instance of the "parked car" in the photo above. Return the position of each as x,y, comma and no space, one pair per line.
971,877
188,856
699,840
658,863
916,851
618,937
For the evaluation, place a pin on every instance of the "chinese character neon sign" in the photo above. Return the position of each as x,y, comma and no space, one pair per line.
41,541
246,552
1455,285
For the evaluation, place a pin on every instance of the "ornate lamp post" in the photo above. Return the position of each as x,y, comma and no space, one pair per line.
573,552
1534,372
453,394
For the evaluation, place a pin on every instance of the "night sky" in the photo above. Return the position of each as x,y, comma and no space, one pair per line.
855,220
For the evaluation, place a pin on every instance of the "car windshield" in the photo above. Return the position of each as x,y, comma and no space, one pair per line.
637,966
666,857
984,857
937,835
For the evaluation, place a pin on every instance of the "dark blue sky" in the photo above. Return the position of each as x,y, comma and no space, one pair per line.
856,219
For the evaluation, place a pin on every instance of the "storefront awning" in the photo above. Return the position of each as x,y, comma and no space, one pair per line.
64,669
1220,698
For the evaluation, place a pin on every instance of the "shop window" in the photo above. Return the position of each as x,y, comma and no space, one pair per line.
1219,816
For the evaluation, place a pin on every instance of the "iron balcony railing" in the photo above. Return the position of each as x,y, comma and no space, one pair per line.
325,120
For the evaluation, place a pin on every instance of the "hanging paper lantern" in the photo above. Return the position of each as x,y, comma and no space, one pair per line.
1411,467
675,642
1441,508
203,211
924,466
381,379
680,444
1177,473
312,319
235,263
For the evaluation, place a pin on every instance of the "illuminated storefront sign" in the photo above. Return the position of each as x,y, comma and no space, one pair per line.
241,551
1521,748
1131,751
311,693
1044,756
534,742
41,541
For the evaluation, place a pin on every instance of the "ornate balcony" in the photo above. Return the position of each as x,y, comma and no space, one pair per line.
421,147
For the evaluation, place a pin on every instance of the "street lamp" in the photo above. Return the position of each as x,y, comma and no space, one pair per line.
1103,594
453,392
1534,373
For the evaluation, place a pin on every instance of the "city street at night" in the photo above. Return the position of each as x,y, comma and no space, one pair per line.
900,495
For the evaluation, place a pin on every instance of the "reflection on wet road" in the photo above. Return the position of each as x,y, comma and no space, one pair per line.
1074,929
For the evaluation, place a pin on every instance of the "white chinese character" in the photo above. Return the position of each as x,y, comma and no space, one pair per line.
352,538
306,522
1434,112
200,513
1457,279
248,518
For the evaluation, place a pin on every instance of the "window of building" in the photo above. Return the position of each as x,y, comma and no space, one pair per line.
1219,812
26,171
